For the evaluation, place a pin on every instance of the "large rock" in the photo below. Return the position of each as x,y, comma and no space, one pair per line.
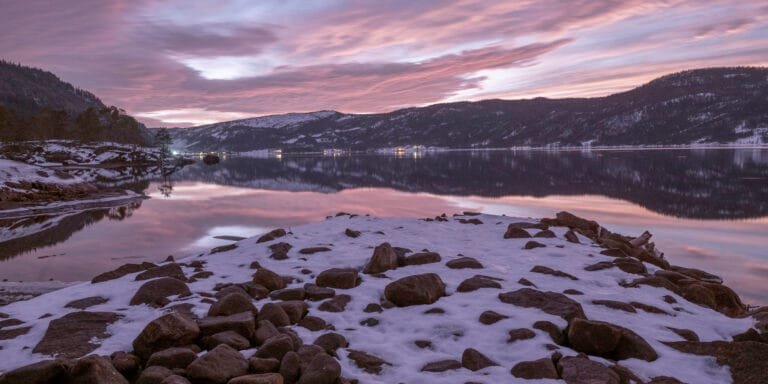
295,309
154,375
341,278
171,330
231,304
271,280
275,347
231,338
86,302
415,290
463,263
122,271
275,314
476,282
172,270
384,258
96,370
515,232
473,360
578,370
552,303
43,372
608,340
172,358
217,366
243,323
421,258
536,369
367,362
72,335
746,359
323,369
156,292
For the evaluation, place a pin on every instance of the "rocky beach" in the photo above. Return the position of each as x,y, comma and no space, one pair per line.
458,299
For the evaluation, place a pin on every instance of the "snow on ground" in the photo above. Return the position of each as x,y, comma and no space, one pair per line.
450,333
15,172
54,152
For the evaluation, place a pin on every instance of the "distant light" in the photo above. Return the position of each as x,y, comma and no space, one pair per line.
174,152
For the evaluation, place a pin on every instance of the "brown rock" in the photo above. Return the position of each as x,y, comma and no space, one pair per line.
127,364
621,306
43,372
553,272
533,244
323,369
571,236
171,330
275,314
290,367
72,335
171,270
295,309
536,369
746,359
476,282
262,365
86,302
554,332
96,370
154,375
552,303
263,378
265,331
367,362
545,234
217,366
121,271
242,323
686,334
441,366
231,338
520,334
422,258
384,258
272,235
330,342
172,358
270,280
313,323
275,347
289,294
313,250
340,278
352,233
315,293
473,360
608,340
231,304
175,379
156,292
575,370
490,317
515,232
415,290
336,304
463,263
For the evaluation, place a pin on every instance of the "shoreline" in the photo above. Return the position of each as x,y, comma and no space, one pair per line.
635,286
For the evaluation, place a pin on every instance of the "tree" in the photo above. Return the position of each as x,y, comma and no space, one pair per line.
88,126
163,140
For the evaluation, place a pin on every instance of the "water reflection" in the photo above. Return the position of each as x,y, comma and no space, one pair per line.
674,194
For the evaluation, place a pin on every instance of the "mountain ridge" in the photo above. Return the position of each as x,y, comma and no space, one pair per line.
713,105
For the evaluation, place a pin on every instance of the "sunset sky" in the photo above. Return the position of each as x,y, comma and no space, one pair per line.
187,62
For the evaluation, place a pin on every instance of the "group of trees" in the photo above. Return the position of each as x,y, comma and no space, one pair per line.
105,124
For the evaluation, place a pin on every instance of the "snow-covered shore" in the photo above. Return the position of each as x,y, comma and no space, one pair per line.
474,298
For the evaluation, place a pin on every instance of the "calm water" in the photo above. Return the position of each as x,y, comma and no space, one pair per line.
707,208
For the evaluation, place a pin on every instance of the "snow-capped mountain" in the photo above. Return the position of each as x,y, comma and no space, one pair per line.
716,105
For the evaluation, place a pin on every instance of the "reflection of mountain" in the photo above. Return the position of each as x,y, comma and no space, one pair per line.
711,184
25,234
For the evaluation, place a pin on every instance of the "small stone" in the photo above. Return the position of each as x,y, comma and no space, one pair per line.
491,317
520,334
156,292
515,232
536,369
336,304
270,280
383,259
441,366
533,244
415,290
340,278
473,360
464,262
367,362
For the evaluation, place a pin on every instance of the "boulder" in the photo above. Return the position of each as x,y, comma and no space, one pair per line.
515,232
154,375
156,292
441,366
415,290
242,323
231,338
473,360
96,370
217,366
313,323
476,282
233,303
75,334
330,342
265,331
577,369
335,304
313,250
384,258
86,302
315,293
171,270
352,233
171,330
421,258
295,309
533,245
270,280
463,263
275,347
552,303
367,362
340,278
127,364
536,369
520,334
262,378
275,314
172,358
42,372
323,369
263,365
290,367
272,235
490,317
175,379
290,294
608,340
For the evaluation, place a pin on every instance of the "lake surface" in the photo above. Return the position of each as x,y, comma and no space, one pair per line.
708,209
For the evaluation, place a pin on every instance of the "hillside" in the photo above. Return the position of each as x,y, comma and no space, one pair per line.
37,105
716,105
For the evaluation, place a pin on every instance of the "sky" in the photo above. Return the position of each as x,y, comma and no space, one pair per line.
191,62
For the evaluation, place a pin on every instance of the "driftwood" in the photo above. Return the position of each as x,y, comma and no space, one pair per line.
641,240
